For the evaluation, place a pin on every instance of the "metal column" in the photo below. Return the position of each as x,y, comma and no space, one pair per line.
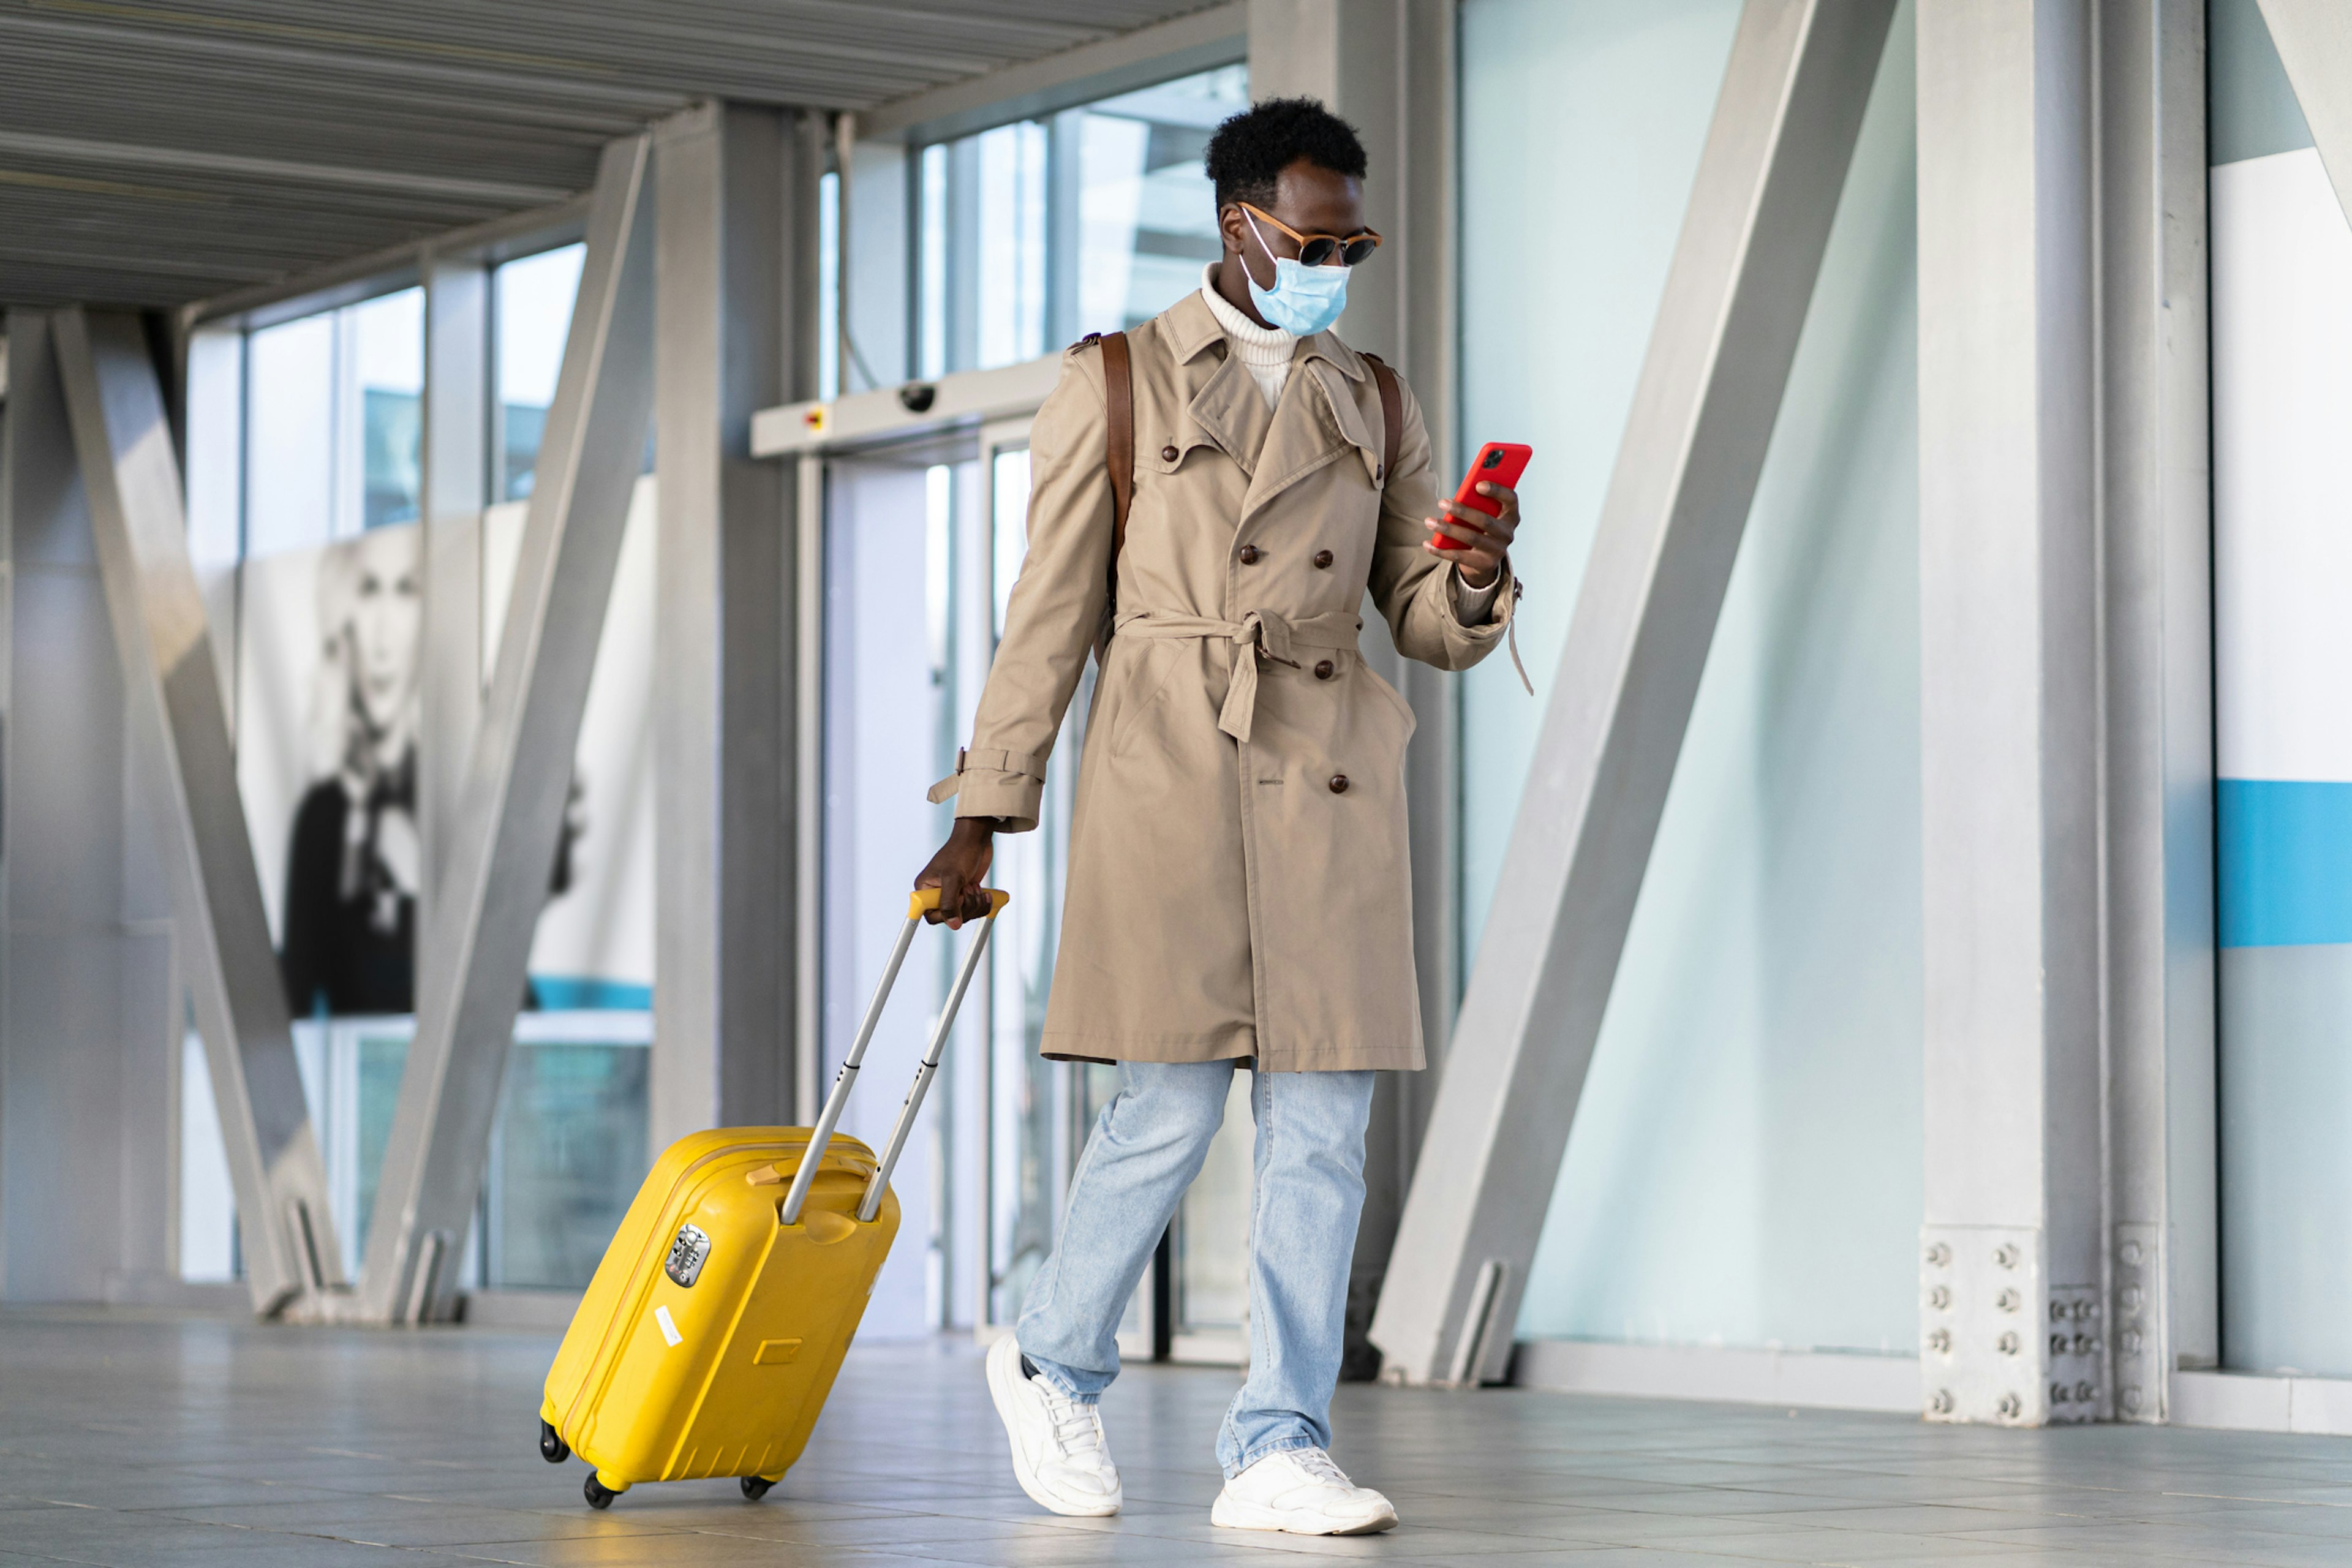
1794,89
729,199
509,816
2163,1256
130,475
456,463
2012,1249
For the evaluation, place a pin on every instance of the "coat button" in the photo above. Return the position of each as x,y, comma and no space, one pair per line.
1323,558
1167,453
1339,784
1323,670
1249,554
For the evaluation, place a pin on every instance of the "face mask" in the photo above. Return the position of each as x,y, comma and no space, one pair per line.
1304,301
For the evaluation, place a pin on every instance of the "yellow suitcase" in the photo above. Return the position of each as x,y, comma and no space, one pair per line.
711,1335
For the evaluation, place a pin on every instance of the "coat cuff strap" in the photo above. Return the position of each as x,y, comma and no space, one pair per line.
1006,785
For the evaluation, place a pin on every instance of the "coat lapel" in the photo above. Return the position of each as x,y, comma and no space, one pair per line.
1229,411
1311,429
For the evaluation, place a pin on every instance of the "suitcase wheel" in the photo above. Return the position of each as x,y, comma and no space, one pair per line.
552,1446
756,1487
598,1494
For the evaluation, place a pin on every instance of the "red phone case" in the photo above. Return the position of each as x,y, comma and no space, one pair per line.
1498,462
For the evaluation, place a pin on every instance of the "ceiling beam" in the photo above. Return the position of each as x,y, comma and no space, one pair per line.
236,166
1219,36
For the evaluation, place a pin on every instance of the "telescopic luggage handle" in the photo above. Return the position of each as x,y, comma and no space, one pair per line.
924,901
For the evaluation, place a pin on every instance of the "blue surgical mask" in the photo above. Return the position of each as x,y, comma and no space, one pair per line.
1304,301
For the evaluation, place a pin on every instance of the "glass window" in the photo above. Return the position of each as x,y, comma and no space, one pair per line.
335,430
290,436
1095,219
532,299
388,362
1147,215
569,1155
828,286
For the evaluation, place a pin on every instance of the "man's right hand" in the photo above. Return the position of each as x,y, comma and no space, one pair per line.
960,872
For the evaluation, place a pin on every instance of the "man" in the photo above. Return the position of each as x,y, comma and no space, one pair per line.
1238,886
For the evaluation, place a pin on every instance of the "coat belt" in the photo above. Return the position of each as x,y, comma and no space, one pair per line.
1260,632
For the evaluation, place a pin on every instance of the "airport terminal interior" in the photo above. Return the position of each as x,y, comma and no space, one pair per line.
507,510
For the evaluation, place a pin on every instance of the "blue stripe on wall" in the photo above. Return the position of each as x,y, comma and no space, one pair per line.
2286,862
572,993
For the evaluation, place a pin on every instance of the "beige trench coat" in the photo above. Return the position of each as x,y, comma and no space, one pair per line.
1239,884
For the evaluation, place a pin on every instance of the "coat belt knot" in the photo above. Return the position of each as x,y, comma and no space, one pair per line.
1265,632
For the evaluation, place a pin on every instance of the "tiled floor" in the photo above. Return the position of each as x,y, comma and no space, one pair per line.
142,1438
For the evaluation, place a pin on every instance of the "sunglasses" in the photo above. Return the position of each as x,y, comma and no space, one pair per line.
1317,250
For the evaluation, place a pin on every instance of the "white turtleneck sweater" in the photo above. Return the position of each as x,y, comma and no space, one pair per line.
1267,352
1264,351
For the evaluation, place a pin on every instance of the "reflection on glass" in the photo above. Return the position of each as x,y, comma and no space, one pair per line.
1095,220
533,298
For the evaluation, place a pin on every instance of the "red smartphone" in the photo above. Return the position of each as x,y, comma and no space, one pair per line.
1498,462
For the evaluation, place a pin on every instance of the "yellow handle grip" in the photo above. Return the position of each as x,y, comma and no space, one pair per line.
927,899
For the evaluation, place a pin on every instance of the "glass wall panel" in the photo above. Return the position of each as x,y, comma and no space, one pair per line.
571,1153
1746,1163
333,433
567,1150
532,303
1146,216
1095,220
388,337
289,436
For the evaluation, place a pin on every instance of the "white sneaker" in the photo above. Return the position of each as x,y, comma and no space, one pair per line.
1058,1453
1302,1492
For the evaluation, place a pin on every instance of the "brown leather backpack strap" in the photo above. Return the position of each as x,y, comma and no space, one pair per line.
1119,413
1391,414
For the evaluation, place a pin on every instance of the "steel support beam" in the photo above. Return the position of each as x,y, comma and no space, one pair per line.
2314,38
2012,1249
131,473
509,814
732,200
1794,89
2163,1254
458,372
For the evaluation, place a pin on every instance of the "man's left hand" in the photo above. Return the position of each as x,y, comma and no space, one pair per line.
1488,539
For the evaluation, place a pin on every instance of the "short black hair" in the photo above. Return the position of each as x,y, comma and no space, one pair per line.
1250,150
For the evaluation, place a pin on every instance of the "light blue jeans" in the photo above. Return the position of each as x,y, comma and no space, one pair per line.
1145,1151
